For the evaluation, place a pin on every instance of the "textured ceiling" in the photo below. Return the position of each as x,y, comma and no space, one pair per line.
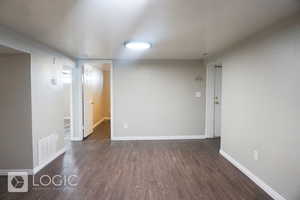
178,29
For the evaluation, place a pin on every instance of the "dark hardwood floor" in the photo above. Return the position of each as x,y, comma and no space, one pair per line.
143,170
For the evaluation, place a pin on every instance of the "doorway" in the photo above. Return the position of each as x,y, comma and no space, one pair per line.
68,105
16,105
96,99
217,101
213,101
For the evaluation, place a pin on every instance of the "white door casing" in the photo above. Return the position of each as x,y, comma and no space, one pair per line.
78,97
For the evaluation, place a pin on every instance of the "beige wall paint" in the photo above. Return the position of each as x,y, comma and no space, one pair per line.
101,89
15,114
106,93
97,90
157,98
261,109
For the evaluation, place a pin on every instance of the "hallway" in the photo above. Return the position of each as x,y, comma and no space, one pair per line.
101,132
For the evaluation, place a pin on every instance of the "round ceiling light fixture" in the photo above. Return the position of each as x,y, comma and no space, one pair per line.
137,45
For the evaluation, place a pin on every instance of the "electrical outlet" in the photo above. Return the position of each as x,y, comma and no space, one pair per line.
125,125
255,154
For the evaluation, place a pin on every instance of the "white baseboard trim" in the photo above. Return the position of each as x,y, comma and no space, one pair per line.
40,167
275,195
4,172
76,139
98,122
187,137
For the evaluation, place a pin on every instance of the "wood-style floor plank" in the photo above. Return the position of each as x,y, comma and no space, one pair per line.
143,170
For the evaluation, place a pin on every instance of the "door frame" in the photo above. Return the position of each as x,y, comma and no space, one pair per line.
210,94
79,118
71,68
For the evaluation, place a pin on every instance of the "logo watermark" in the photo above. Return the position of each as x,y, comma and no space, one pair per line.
18,181
56,180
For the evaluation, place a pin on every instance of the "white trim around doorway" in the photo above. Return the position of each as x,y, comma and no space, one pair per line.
79,94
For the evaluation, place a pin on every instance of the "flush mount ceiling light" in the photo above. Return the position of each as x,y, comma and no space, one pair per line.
136,45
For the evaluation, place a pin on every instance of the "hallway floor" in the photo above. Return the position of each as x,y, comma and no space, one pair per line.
142,170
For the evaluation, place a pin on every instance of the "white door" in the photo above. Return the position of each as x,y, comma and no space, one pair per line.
88,99
217,101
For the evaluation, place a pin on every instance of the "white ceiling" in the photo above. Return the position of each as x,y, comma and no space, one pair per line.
178,29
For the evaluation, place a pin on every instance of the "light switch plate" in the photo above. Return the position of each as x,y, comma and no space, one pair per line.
198,94
53,81
255,155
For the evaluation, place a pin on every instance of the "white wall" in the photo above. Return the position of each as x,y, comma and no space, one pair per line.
15,112
67,100
47,99
67,85
156,98
261,109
